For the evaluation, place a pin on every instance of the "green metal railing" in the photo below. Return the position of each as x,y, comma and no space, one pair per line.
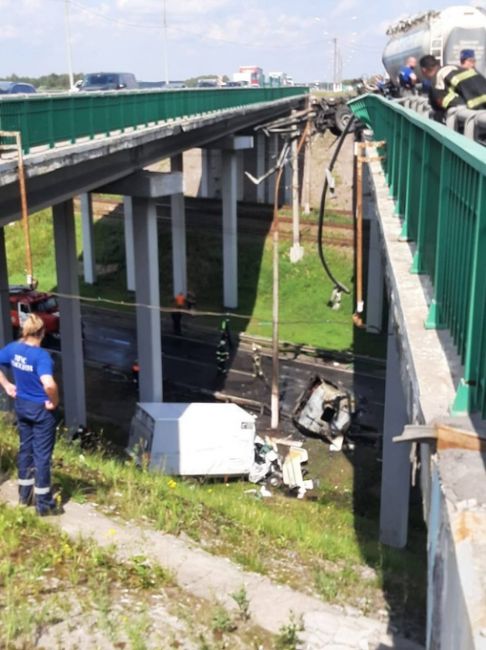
438,180
51,119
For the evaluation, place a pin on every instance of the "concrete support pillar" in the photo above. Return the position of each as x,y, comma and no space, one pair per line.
287,184
273,151
148,298
205,173
129,255
70,315
210,187
395,478
230,239
374,302
5,320
178,226
89,258
240,176
261,168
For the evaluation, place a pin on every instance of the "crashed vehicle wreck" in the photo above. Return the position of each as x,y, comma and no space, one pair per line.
325,409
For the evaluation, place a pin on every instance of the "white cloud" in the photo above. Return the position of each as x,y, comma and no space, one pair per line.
8,32
174,7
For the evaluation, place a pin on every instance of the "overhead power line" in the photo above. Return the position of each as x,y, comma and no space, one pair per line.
203,35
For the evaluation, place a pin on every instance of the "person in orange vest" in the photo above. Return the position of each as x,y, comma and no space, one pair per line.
179,303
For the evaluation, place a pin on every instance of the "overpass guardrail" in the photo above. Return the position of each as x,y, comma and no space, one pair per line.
51,119
438,180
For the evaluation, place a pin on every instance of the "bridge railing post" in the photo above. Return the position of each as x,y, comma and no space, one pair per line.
434,318
471,392
422,189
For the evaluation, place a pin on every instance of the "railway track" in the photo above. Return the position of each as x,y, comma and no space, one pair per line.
254,219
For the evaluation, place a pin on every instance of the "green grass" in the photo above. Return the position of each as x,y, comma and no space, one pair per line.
329,544
304,289
38,564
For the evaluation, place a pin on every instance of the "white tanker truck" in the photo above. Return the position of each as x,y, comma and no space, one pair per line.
440,33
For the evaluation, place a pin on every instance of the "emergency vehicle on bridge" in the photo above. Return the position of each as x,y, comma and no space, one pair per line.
25,301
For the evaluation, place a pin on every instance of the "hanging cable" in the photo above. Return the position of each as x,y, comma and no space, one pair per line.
339,286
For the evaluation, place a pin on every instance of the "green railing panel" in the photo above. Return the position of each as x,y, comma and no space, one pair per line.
53,119
438,181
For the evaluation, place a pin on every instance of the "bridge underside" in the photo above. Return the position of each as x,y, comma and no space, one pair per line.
114,164
55,175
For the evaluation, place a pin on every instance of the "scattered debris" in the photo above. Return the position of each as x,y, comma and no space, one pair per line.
278,462
325,409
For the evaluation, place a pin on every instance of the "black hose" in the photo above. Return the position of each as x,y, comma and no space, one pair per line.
337,284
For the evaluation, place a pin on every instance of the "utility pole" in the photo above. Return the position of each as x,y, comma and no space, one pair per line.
164,44
68,43
335,63
296,251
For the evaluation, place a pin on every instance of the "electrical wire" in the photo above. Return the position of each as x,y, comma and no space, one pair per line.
339,285
190,312
188,32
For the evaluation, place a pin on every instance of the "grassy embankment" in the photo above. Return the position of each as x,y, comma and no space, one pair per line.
327,546
304,290
60,592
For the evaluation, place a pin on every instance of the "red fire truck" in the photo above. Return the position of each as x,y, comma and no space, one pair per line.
25,301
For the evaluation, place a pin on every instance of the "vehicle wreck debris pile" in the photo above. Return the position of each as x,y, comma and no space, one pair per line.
325,409
278,462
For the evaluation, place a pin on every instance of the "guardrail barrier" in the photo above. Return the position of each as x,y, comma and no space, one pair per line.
438,180
51,119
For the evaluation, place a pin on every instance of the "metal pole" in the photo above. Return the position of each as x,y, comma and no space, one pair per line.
68,44
335,63
307,169
358,316
25,213
296,252
164,44
275,403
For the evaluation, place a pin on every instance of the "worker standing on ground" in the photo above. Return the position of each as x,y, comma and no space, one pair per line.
36,398
256,357
222,354
176,314
226,331
407,77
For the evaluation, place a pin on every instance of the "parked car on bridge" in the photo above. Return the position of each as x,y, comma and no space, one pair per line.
108,81
16,87
25,301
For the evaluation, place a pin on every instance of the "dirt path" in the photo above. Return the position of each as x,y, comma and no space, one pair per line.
213,578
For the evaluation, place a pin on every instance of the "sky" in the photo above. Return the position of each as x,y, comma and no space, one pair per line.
203,36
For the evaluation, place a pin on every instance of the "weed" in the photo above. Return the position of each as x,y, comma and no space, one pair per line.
221,621
241,599
137,631
288,635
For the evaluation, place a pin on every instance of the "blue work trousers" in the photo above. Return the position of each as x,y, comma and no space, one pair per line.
37,430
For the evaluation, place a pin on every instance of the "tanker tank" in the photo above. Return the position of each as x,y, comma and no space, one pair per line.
440,33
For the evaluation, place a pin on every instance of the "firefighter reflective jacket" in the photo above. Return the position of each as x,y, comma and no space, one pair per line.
442,96
468,84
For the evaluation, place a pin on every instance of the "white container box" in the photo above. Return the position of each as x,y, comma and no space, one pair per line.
194,439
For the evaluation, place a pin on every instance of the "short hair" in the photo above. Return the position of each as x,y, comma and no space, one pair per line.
428,62
33,326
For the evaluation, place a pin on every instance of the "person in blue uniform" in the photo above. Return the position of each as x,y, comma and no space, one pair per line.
407,77
36,398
